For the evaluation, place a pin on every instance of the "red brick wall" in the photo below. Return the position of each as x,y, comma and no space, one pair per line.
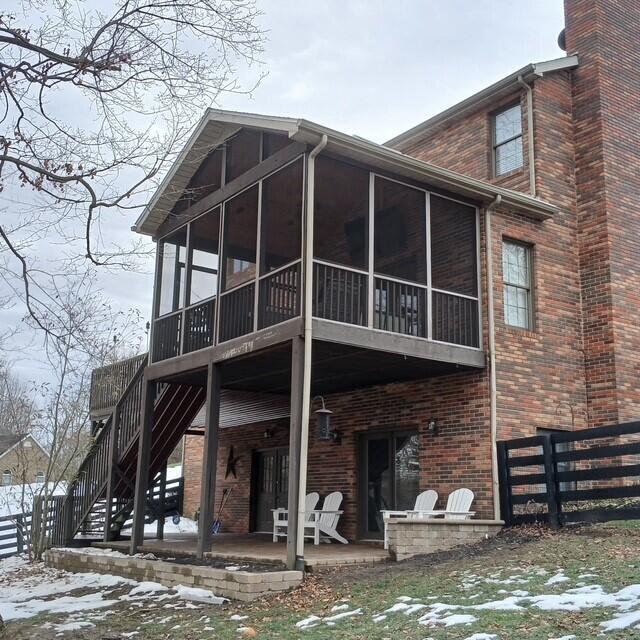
458,456
606,96
538,371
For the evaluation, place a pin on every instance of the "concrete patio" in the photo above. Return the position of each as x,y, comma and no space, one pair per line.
258,548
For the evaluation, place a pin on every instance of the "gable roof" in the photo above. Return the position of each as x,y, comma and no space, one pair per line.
217,125
9,441
495,91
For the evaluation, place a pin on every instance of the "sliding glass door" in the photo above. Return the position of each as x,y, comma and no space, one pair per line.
389,470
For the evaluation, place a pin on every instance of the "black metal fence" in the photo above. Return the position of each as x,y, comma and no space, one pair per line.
591,475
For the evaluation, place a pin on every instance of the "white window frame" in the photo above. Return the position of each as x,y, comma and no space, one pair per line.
495,145
528,287
7,478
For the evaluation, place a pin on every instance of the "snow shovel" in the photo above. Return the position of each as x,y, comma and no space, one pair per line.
217,524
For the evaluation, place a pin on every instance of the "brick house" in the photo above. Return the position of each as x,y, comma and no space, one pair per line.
474,279
22,460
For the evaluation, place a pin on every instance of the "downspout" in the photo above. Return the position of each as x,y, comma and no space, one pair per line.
306,371
492,360
530,136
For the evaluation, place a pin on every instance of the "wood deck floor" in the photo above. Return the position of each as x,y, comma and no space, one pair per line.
258,548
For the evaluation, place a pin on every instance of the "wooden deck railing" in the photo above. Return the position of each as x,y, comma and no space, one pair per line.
237,312
279,296
198,326
400,307
339,294
108,382
455,319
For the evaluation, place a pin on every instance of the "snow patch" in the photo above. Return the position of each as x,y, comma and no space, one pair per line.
199,595
621,622
557,579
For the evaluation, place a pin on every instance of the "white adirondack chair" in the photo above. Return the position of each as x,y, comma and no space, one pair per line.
425,502
458,505
280,516
324,522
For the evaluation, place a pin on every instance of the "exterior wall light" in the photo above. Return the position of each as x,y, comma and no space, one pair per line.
323,424
432,427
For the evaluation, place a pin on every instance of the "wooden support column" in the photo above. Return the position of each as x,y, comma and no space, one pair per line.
111,473
295,429
144,458
161,503
210,457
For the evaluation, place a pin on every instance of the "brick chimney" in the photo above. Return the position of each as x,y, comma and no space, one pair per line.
606,103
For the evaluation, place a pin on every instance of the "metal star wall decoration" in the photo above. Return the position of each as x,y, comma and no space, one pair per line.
231,464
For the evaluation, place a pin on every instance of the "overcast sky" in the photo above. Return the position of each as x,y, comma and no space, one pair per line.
373,68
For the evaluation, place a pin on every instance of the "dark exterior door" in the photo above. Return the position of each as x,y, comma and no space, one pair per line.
271,484
389,477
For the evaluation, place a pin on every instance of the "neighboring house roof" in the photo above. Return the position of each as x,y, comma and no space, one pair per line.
217,125
8,442
493,92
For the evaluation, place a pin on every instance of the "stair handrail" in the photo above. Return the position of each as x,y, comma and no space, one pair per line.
110,429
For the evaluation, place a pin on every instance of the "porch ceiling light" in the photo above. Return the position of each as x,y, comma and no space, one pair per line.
323,423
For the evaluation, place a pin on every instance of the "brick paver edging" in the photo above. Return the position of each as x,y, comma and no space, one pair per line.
237,585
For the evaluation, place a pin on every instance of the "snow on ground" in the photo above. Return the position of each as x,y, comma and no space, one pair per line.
32,589
18,498
186,525
433,612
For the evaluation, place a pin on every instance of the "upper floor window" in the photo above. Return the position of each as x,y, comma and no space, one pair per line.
507,140
40,477
516,273
7,477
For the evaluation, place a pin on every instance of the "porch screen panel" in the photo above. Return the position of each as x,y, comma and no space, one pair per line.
341,213
454,272
172,254
240,238
243,152
281,218
205,233
453,247
400,231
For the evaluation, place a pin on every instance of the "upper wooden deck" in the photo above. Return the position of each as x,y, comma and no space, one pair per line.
395,264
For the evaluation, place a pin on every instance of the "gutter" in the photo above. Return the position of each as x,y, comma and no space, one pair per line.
530,136
492,360
308,330
444,178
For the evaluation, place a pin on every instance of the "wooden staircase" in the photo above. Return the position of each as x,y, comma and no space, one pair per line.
105,482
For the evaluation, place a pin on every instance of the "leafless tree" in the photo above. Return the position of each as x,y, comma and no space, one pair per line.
90,334
93,102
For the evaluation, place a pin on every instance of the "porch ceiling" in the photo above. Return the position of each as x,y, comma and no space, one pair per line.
336,367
